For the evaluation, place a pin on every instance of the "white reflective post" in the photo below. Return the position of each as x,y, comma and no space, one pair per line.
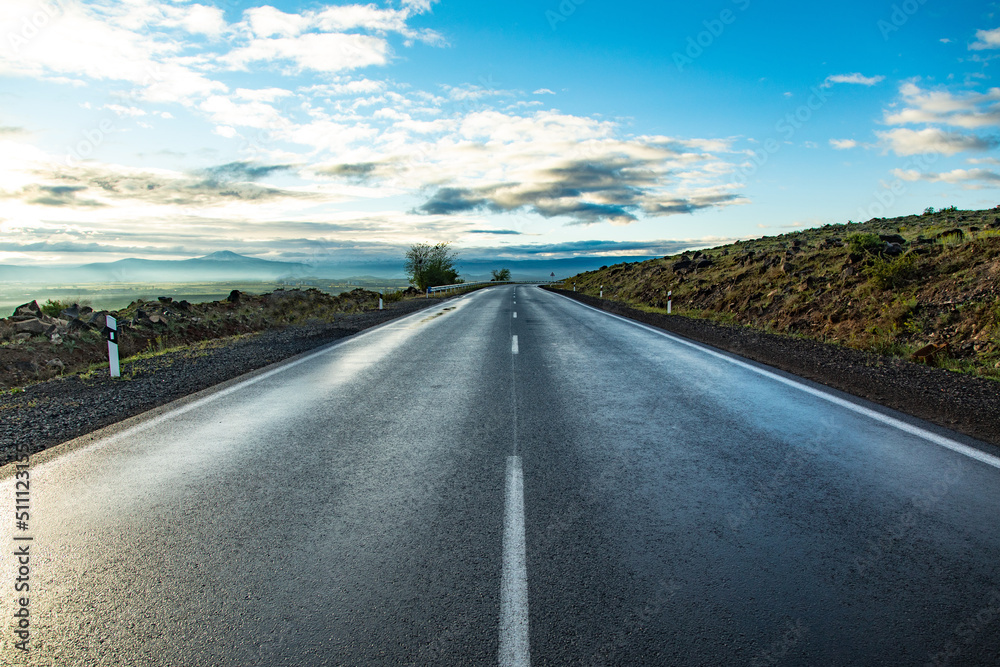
669,301
113,347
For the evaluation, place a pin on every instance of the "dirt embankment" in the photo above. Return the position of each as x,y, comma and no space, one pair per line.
920,286
959,401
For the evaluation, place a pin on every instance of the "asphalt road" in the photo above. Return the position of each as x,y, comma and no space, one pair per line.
469,487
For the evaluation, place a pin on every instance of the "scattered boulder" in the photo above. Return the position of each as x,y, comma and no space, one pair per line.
787,268
165,299
893,238
234,296
71,313
893,249
57,364
950,232
703,263
32,326
97,318
28,310
27,367
683,265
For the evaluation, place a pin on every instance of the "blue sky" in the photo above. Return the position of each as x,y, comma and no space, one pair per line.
312,131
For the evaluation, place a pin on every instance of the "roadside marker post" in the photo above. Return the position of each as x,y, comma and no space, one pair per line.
602,291
380,299
111,331
669,301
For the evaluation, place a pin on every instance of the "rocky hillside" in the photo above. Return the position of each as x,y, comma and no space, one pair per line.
40,342
922,287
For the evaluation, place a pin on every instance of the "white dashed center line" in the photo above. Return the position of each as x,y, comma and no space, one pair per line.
514,647
513,344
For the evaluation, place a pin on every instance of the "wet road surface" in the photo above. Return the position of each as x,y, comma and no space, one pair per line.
463,486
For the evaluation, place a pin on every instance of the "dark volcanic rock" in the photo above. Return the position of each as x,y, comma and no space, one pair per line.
28,310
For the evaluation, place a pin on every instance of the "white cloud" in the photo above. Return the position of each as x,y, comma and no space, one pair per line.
225,131
224,111
319,52
967,177
855,78
262,94
418,6
543,91
931,140
843,144
267,22
988,39
969,111
197,19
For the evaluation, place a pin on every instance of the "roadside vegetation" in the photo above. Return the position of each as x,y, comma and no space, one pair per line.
922,287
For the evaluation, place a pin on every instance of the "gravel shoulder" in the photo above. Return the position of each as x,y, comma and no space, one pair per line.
52,412
958,401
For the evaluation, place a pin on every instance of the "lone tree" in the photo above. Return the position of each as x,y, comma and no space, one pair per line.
501,275
430,266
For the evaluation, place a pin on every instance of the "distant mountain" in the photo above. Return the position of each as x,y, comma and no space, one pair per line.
217,267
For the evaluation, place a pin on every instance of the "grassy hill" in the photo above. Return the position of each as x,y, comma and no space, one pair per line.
893,286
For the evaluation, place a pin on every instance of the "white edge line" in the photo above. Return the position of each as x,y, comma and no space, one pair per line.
940,440
514,646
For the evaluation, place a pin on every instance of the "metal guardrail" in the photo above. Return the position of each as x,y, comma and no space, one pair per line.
458,286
